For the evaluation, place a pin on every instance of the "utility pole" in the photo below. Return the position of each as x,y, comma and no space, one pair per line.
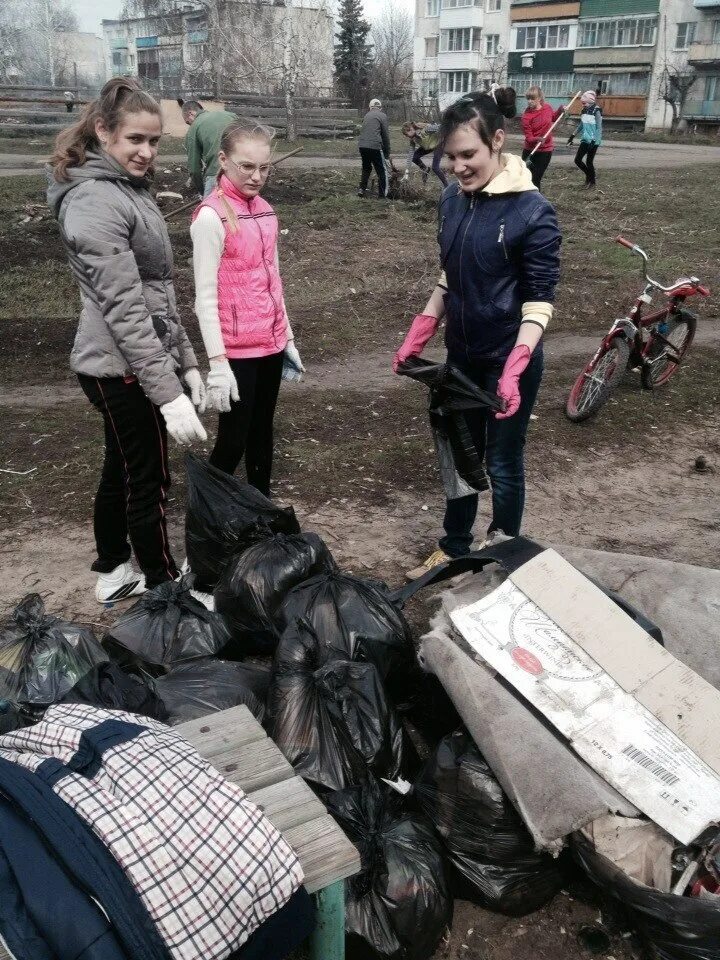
49,37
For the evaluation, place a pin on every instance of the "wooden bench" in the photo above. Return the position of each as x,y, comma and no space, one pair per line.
236,745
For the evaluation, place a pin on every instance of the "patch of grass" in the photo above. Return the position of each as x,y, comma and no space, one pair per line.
39,288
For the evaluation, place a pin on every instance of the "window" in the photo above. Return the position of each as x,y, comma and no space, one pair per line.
433,8
148,64
716,31
452,4
431,46
685,35
459,39
543,37
492,43
618,32
551,84
712,88
429,88
493,6
616,84
456,81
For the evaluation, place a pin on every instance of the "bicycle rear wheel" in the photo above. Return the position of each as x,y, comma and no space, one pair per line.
594,385
666,350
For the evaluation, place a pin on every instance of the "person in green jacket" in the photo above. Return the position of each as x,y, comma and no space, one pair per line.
202,142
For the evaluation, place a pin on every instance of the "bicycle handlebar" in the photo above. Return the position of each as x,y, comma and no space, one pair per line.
634,248
625,243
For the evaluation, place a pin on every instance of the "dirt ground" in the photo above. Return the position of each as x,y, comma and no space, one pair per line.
354,453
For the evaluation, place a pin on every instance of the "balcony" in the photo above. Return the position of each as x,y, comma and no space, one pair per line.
699,109
704,53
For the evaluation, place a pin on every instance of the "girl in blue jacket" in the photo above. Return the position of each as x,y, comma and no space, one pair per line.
590,129
500,252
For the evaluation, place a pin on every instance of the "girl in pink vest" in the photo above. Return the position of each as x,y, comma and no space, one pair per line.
240,305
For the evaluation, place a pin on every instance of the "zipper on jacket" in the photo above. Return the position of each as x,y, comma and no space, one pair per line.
267,274
235,321
501,238
462,289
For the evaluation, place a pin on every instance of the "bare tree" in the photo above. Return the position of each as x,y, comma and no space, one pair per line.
392,33
281,48
28,34
676,81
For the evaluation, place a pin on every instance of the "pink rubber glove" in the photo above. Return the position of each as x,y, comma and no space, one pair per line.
508,388
421,330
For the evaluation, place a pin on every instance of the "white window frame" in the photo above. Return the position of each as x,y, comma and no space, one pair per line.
542,36
493,6
492,43
551,84
455,4
715,31
429,88
685,34
433,8
456,81
638,31
460,40
431,41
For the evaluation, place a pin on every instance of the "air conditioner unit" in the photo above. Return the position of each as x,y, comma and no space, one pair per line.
527,60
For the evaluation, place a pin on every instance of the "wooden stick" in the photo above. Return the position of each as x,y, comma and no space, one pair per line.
194,203
542,140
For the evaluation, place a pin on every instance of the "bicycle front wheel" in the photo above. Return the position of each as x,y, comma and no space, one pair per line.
594,385
666,350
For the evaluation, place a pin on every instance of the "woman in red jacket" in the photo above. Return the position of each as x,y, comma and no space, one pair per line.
536,121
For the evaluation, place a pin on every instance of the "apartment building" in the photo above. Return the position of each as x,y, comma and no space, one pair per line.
543,36
651,62
460,45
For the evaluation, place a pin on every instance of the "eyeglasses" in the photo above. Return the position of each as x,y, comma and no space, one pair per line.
248,169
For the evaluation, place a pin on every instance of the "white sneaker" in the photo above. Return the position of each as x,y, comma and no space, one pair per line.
185,567
206,599
120,584
497,536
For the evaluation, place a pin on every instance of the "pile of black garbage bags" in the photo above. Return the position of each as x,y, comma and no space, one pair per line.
325,660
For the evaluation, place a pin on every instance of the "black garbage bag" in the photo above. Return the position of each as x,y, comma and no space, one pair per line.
253,586
224,517
400,904
485,839
331,717
452,396
354,618
206,686
43,657
672,927
109,686
166,627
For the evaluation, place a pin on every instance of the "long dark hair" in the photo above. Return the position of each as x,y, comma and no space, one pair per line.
486,112
119,96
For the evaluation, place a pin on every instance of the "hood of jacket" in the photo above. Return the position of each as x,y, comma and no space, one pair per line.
514,177
98,166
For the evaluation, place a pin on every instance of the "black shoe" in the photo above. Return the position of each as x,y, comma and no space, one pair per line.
362,193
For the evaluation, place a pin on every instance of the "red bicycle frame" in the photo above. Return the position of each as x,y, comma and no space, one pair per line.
632,326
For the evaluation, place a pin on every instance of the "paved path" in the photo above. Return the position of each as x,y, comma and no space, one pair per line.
614,154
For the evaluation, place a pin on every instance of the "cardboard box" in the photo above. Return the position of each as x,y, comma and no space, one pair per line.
643,720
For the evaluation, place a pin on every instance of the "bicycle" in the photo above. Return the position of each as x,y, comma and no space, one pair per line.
628,344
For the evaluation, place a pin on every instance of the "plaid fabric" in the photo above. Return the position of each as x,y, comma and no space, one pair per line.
209,867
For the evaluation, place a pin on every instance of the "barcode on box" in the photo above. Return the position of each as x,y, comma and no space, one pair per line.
649,764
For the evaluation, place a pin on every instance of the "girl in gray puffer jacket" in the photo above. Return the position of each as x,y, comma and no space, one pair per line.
131,353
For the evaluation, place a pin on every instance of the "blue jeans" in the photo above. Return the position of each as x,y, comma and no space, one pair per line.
437,157
504,443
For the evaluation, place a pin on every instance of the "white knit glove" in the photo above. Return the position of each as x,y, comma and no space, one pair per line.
293,368
221,387
406,175
195,385
182,421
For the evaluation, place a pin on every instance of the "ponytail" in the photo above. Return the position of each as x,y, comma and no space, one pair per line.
486,112
119,96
